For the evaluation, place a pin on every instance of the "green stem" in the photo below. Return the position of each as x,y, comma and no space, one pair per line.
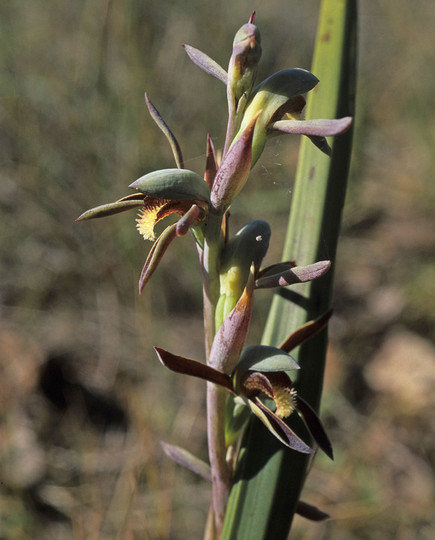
232,123
221,475
216,396
210,266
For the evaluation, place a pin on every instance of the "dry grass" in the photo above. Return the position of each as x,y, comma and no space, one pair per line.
83,400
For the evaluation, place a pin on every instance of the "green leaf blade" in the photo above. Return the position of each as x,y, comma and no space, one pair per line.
269,479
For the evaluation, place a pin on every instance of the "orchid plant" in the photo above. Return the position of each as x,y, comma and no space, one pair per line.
240,380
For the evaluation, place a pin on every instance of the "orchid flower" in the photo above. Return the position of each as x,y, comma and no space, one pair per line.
278,99
261,370
162,193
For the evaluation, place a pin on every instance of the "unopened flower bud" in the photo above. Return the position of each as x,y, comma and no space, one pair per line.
244,61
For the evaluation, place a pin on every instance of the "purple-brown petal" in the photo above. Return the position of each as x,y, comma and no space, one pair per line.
156,253
313,423
305,332
187,366
278,427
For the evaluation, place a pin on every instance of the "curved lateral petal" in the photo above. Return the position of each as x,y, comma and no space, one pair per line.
315,130
313,423
187,366
297,274
319,127
278,427
156,116
156,253
306,331
186,459
206,63
276,268
111,208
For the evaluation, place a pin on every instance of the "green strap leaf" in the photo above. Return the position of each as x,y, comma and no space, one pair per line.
269,478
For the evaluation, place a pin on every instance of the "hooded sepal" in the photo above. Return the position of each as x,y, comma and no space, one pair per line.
248,246
265,358
173,184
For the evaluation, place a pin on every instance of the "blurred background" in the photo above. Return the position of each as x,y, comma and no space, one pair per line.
83,399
